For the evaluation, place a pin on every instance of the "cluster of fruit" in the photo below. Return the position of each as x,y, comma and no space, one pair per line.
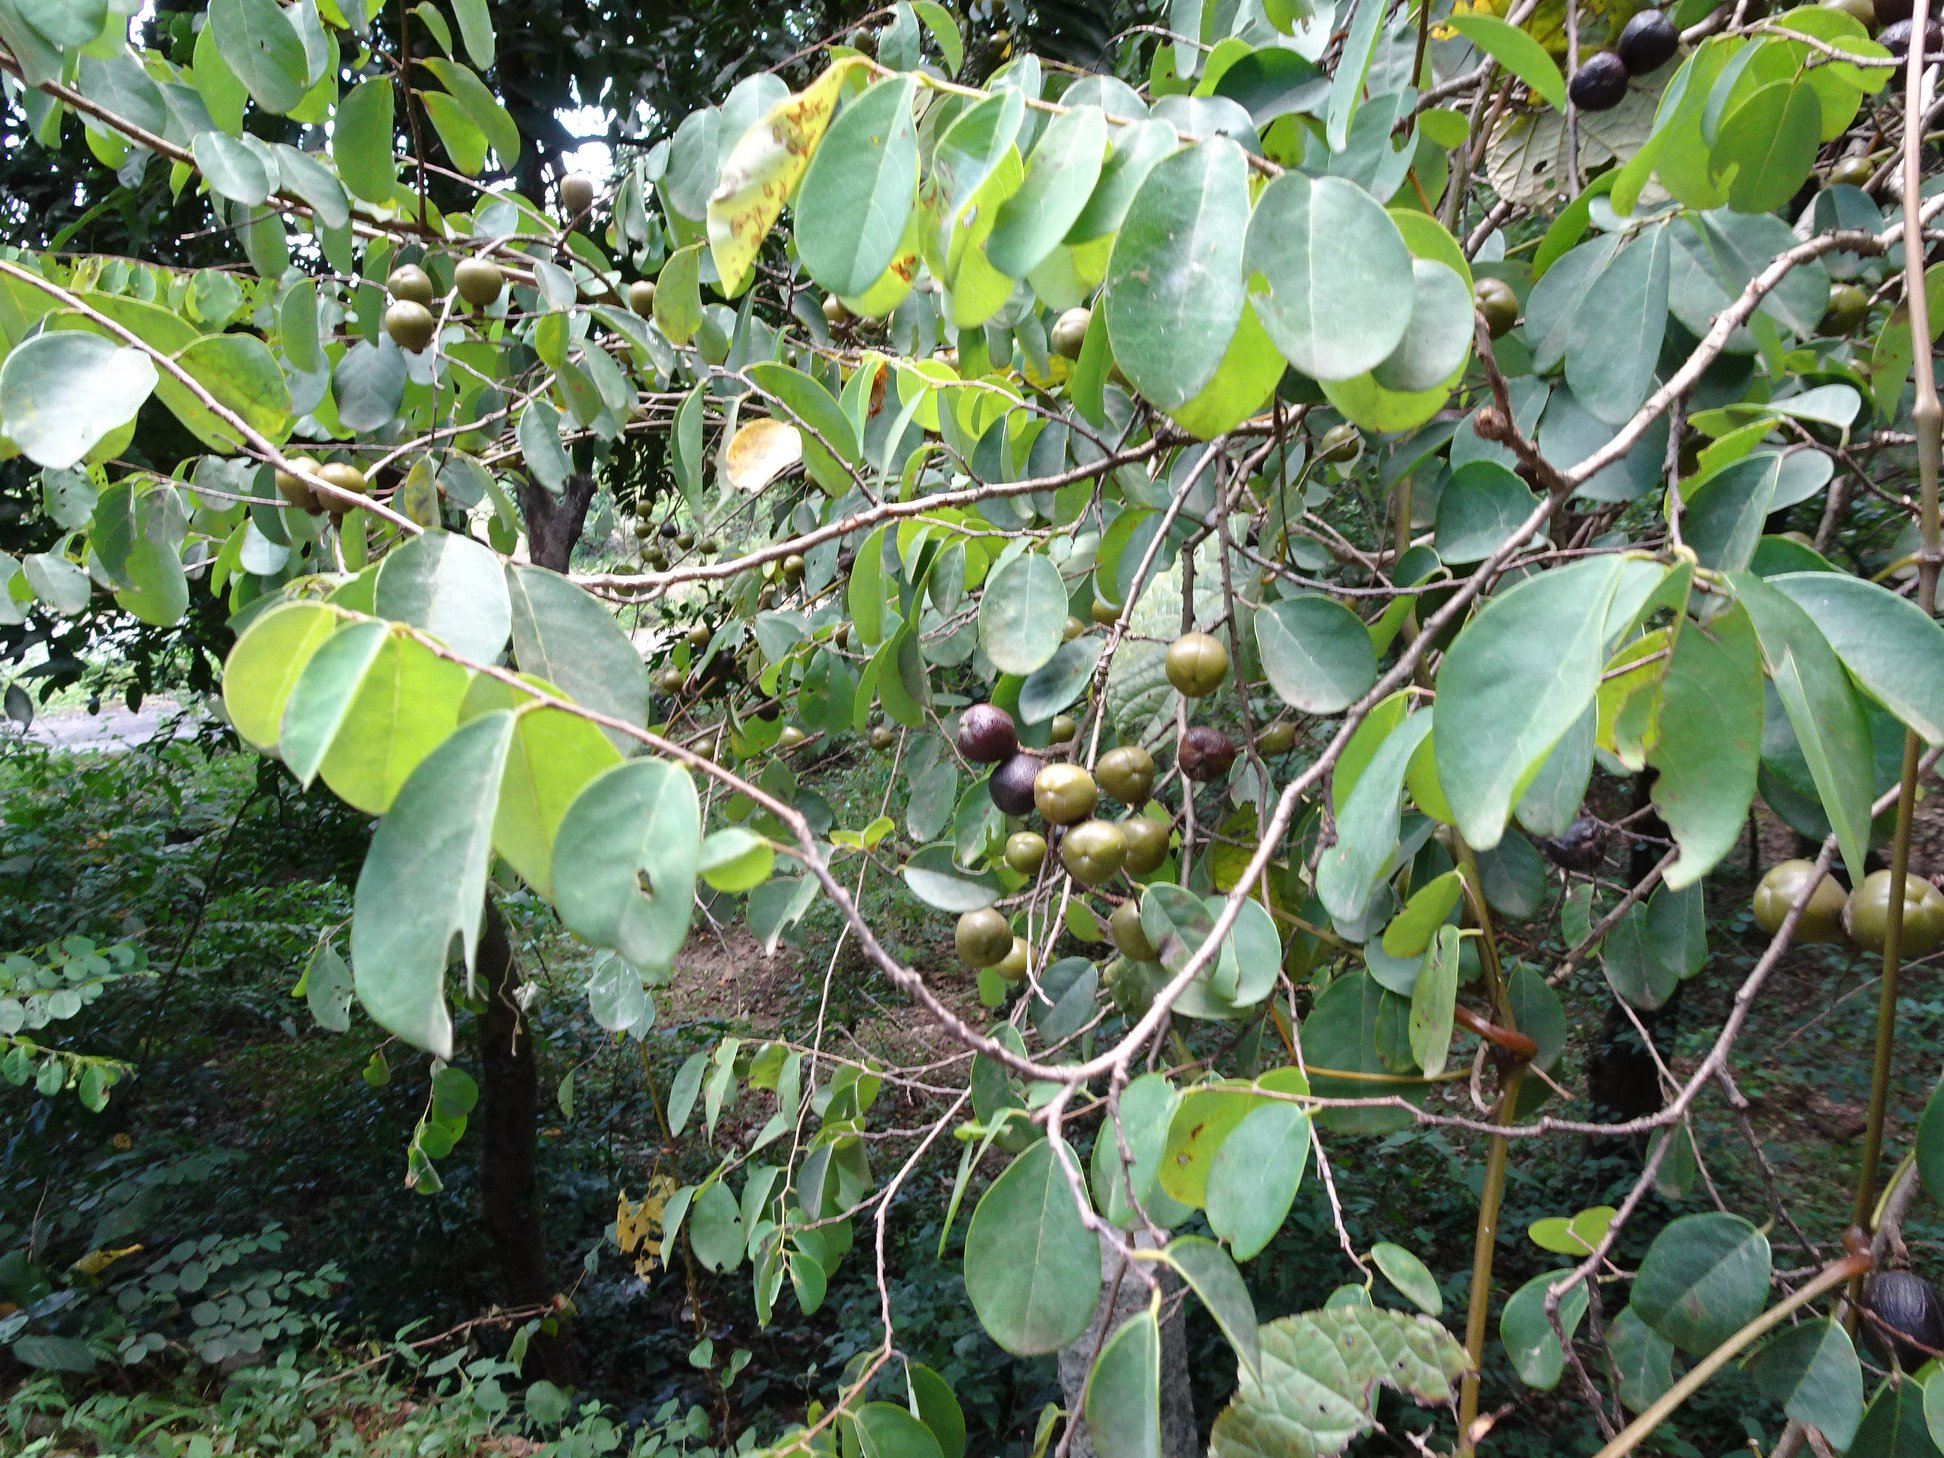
1066,795
1647,42
1860,916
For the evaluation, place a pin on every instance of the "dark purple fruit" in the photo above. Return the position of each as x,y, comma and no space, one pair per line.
1647,43
1895,38
1905,1317
986,734
1600,84
1205,753
1011,785
1581,848
1893,12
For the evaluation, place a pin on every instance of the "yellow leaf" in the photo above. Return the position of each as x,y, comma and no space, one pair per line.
762,171
761,451
97,1261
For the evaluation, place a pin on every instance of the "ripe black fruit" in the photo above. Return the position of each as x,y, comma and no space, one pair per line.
1600,83
987,735
1647,43
1895,38
1011,785
1581,848
1205,753
1906,1317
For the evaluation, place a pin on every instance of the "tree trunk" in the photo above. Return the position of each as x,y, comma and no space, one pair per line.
509,1112
1117,1303
554,523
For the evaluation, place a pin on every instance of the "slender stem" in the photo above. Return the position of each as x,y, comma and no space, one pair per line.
1833,1276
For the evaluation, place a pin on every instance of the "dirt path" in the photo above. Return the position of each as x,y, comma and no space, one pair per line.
114,730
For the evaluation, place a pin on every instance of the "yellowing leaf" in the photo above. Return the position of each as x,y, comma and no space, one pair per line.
97,1261
761,451
762,171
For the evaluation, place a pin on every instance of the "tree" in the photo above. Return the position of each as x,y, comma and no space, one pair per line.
1380,482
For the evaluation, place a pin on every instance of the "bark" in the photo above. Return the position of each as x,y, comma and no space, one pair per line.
509,1117
1178,1439
554,523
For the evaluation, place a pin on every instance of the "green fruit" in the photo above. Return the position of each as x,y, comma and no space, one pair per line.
576,194
669,680
411,326
1013,965
1147,844
641,296
1070,332
1848,307
480,281
983,938
1822,918
1025,851
835,311
1064,794
410,283
1197,664
1126,773
1853,171
699,635
1094,853
1863,10
1866,916
1494,299
1073,629
684,540
883,737
790,738
644,529
1277,738
346,477
1061,729
294,488
1104,612
793,569
1129,938
1340,444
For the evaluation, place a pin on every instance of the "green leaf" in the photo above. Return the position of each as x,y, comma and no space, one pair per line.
1412,929
1316,653
715,1229
1702,1280
452,587
1812,1372
234,169
476,31
1058,681
1895,651
361,141
481,107
858,194
1330,277
1537,646
1438,340
1147,1108
1767,145
1529,1339
888,1430
265,664
1643,1358
1479,507
561,634
1410,1276
1896,1423
1212,1276
554,755
1354,1022
63,393
1123,1397
423,883
1517,51
1174,280
1433,1000
1060,177
937,1407
1710,746
263,48
1252,1179
1023,614
1348,873
625,861
1032,1268
1319,1380
1618,328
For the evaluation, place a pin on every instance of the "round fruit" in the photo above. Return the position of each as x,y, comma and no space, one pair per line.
668,530
1493,298
1011,785
1025,851
1908,1317
479,280
669,680
983,938
1064,794
1104,612
835,311
1852,171
411,283
1581,848
986,734
1863,10
411,326
1205,753
1147,844
1197,664
1070,332
793,569
1277,738
1821,919
1340,443
294,488
1600,83
641,296
1012,966
643,529
1130,940
1073,629
1647,43
699,635
883,737
1895,38
1866,916
346,477
1127,774
576,193
1094,853
684,540
1061,729
708,546
1848,307
1889,12
790,738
